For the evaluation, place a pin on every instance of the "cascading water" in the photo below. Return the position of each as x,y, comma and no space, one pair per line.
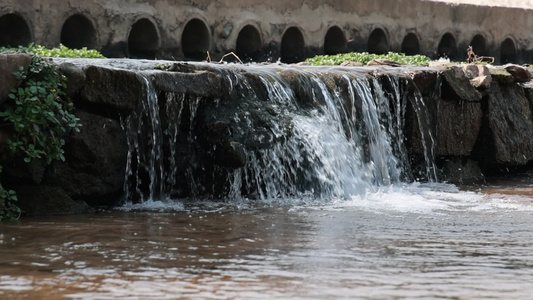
301,134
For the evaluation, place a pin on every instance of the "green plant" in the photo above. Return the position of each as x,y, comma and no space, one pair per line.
39,115
39,112
8,210
365,57
163,67
61,51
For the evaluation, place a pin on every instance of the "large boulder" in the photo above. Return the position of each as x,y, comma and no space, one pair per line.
113,89
507,134
200,83
456,115
458,126
95,161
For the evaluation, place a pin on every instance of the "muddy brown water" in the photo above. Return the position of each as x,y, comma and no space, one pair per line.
408,242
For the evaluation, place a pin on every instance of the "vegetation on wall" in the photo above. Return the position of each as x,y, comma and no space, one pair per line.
37,115
365,57
61,51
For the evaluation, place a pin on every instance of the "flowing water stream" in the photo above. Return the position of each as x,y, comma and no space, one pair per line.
329,210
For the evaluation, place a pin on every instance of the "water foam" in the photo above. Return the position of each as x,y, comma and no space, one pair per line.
433,199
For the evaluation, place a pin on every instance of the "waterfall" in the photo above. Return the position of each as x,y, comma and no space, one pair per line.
301,134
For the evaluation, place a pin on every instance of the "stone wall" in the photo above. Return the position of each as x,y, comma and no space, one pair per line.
260,31
479,118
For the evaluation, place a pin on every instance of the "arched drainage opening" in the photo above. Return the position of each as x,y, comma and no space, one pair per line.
335,41
78,32
14,31
143,41
195,40
377,42
410,44
507,52
248,46
479,45
292,46
447,47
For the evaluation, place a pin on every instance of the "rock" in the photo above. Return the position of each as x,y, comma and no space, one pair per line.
202,83
481,82
458,170
458,126
383,62
47,200
425,81
9,63
20,172
100,145
441,64
230,155
507,132
456,86
520,74
501,75
453,122
479,76
351,64
472,71
95,189
120,90
95,160
528,91
75,78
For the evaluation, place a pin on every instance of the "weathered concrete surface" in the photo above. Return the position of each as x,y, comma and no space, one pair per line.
434,28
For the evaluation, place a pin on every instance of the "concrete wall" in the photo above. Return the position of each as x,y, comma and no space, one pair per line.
262,30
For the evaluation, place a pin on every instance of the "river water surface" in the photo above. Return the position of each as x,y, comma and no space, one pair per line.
407,241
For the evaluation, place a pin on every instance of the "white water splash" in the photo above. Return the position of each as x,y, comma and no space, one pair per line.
332,145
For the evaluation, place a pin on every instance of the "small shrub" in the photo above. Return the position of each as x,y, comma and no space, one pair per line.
365,57
39,115
39,112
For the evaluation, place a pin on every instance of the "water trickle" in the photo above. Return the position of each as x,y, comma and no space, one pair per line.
286,134
428,139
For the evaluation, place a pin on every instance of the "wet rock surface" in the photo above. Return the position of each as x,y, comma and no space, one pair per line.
477,118
507,131
95,161
47,200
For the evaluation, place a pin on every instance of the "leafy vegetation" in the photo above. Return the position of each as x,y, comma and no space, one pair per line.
39,115
8,209
39,112
163,67
61,51
365,57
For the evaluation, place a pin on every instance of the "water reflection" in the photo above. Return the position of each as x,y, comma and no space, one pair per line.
329,251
